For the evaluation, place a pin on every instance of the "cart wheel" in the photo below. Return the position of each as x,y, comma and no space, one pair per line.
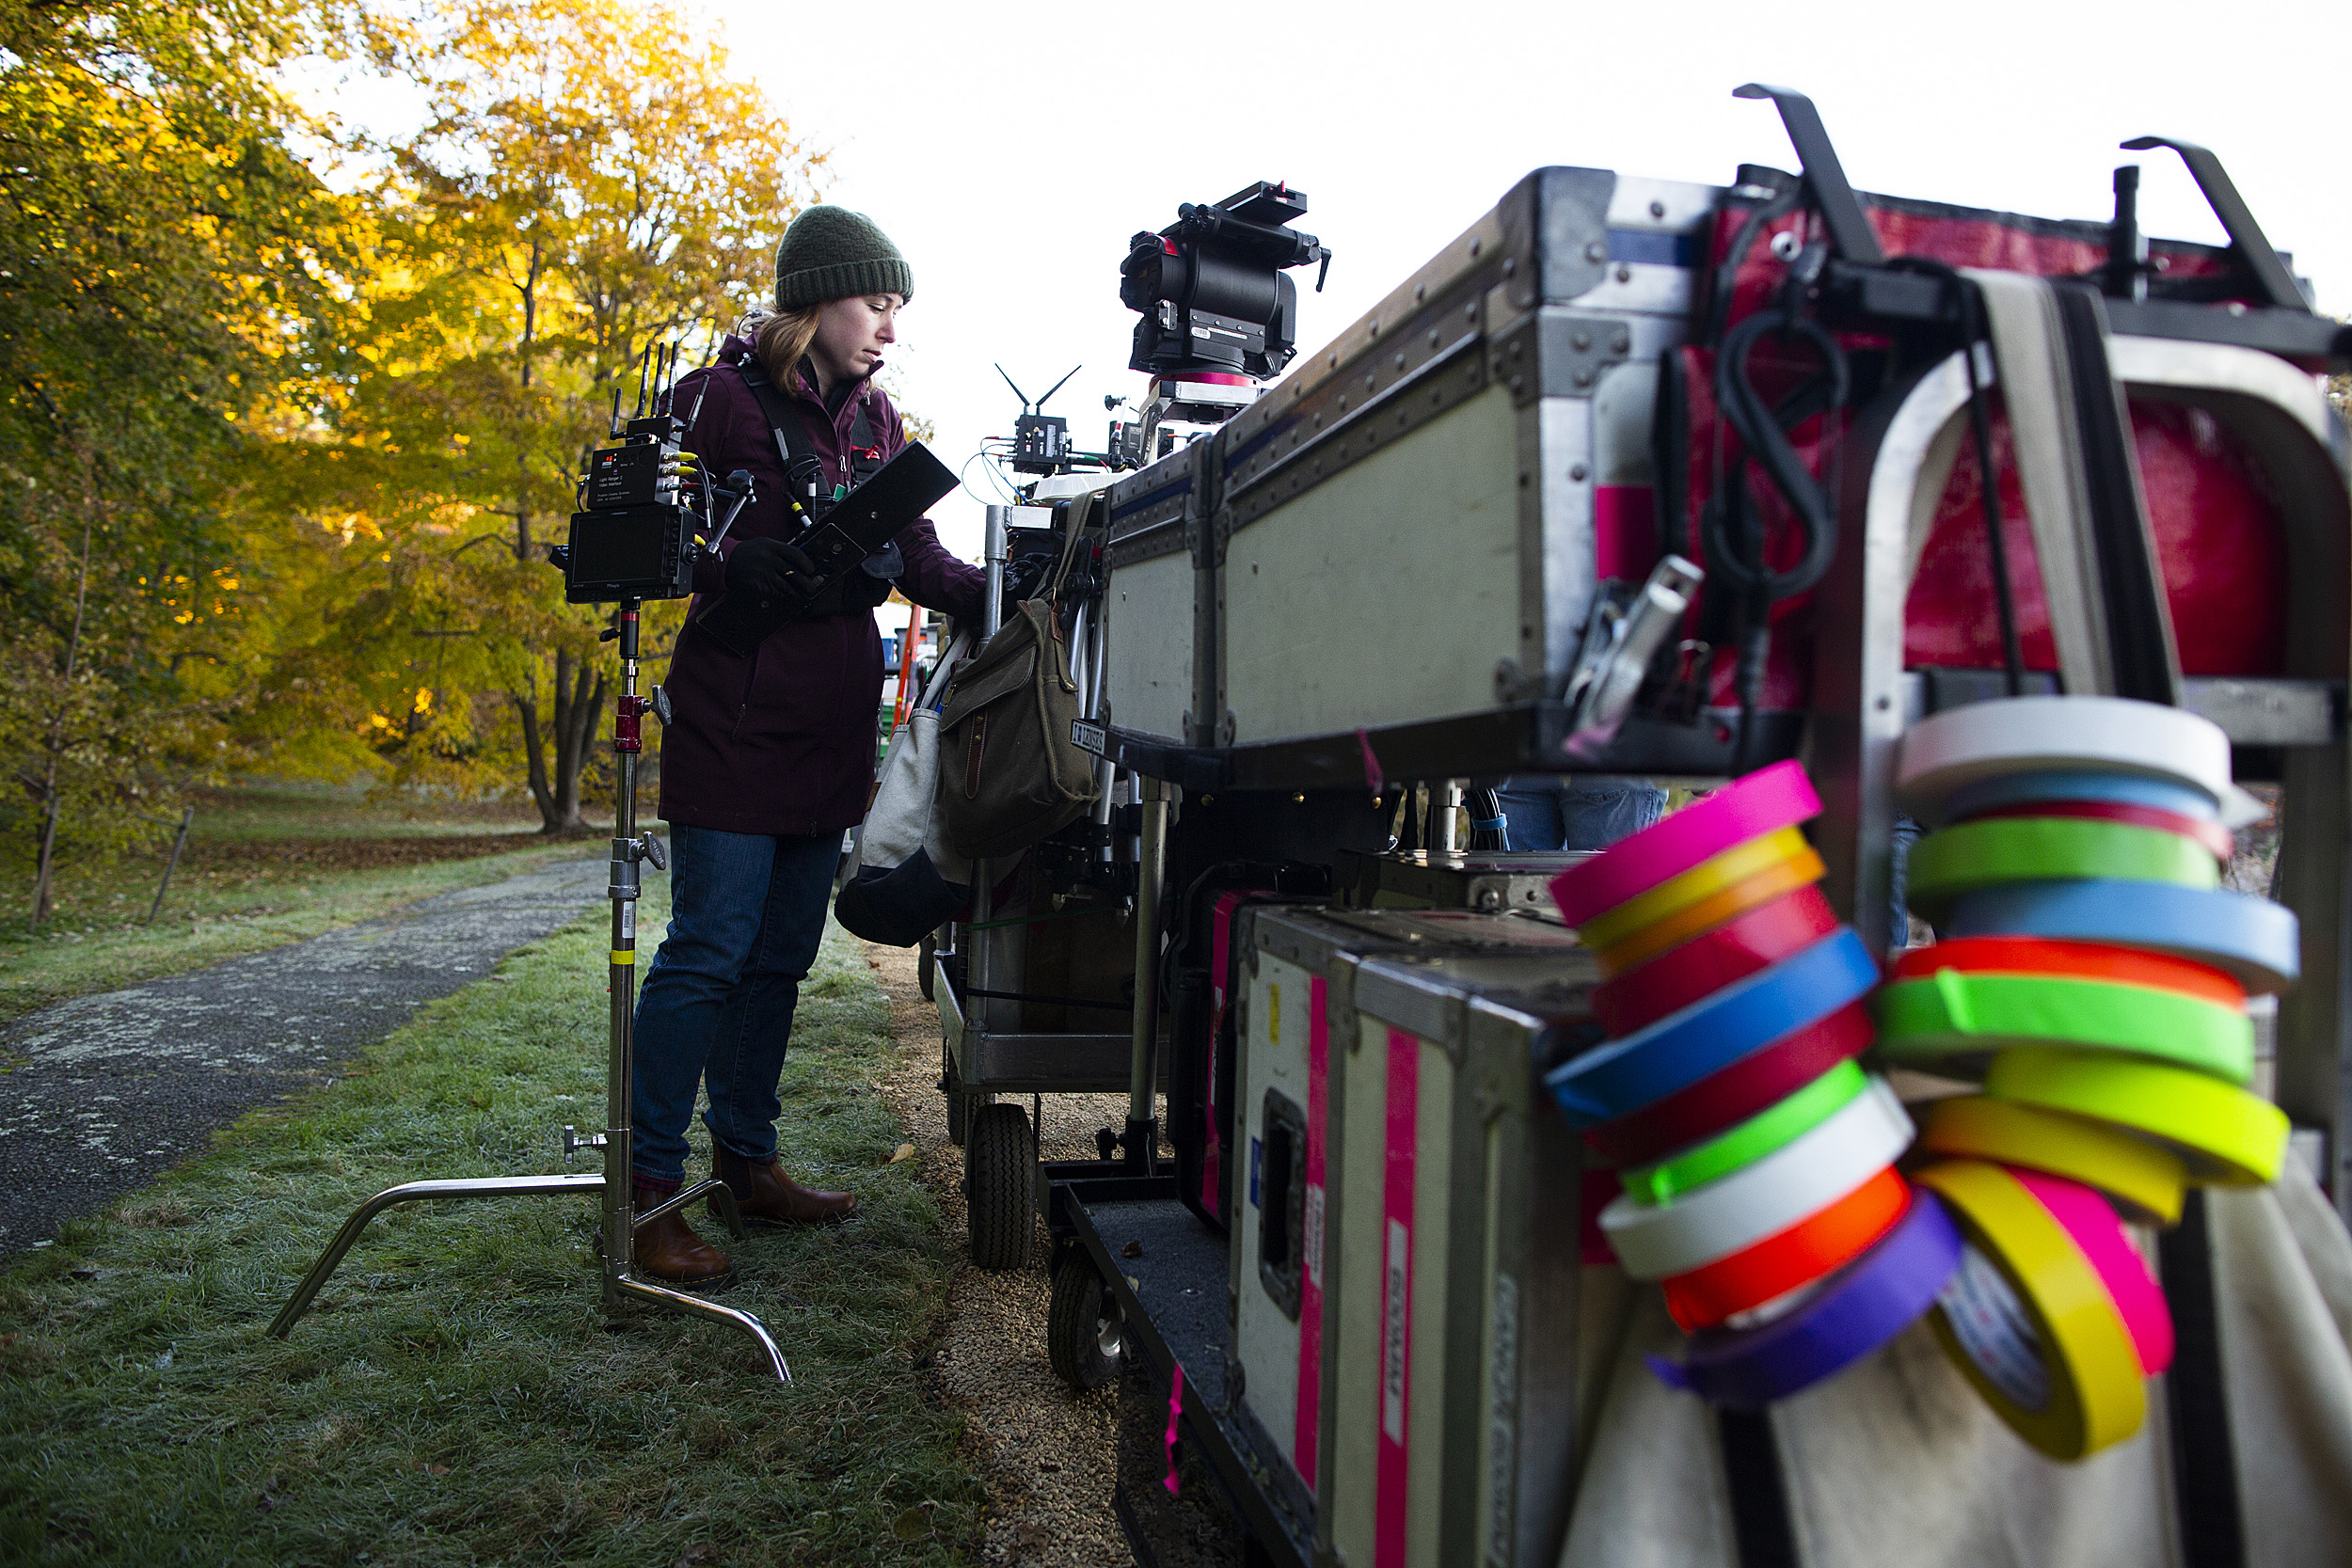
925,965
1084,1329
1000,1164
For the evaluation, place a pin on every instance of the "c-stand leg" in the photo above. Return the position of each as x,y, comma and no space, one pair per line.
619,1222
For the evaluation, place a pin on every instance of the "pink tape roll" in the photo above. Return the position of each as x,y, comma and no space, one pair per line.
2086,1218
1764,802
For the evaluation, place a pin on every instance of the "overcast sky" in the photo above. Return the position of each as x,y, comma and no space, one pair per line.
1011,150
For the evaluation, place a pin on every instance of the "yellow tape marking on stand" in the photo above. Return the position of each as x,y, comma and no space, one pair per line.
624,956
1702,882
2096,1396
1977,1127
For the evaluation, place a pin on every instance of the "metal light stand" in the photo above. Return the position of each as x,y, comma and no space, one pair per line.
623,1290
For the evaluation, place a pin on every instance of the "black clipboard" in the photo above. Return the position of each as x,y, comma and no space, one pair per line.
861,523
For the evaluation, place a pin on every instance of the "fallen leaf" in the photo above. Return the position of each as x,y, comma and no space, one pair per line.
906,1151
1133,1250
912,1525
436,1469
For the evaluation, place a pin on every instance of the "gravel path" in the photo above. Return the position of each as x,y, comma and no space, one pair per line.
1044,1452
97,1093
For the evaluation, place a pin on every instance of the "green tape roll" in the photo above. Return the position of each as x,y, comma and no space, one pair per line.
1776,1126
1955,1015
1993,850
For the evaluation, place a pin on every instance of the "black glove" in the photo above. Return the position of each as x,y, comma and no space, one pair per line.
763,567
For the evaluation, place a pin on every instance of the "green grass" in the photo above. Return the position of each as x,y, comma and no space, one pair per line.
456,1396
266,864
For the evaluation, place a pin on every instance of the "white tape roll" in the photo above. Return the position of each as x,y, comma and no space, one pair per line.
2016,734
1767,1197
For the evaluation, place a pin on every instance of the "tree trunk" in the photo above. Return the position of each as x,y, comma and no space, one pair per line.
579,704
44,870
527,708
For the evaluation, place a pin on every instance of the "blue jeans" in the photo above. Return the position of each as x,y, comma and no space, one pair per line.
1577,813
747,913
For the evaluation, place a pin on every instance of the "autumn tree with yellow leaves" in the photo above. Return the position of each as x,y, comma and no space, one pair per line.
278,462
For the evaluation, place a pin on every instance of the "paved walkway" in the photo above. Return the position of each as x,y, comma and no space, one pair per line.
115,1087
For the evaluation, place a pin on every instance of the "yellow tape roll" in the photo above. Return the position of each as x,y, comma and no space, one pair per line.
1702,882
1977,1127
2225,1136
2036,1332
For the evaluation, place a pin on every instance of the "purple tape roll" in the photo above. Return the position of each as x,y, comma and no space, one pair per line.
1870,1301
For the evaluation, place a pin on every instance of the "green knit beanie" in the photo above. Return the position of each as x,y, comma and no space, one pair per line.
832,253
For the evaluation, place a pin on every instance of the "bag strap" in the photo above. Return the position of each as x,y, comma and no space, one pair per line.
943,671
1074,514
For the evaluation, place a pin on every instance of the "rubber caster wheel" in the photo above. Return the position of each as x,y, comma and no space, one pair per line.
999,1164
926,965
1085,1331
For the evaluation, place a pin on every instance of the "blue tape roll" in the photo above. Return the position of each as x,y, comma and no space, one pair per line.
1680,1049
2128,789
2252,939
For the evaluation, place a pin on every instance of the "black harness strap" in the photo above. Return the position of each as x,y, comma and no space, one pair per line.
2205,1459
862,462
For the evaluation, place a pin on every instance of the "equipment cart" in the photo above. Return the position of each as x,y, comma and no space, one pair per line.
1353,1324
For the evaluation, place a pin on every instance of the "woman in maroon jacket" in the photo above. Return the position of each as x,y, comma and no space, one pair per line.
768,759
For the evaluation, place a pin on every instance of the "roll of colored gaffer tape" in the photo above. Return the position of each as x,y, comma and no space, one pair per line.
1733,1094
2224,1135
2029,1321
1963,747
1754,939
2253,940
2217,840
1762,802
1854,1312
1783,878
1765,1196
1993,851
1707,881
1682,1048
2147,1179
1774,1128
2077,960
1819,1244
1957,1021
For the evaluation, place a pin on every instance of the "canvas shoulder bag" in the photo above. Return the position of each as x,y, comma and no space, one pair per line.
904,882
1010,773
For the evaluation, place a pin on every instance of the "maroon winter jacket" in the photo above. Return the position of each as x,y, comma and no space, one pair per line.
783,742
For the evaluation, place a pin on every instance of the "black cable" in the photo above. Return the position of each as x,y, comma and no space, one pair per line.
1735,536
1485,806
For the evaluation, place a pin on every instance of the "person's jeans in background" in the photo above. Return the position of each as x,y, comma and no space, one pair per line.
747,913
1588,813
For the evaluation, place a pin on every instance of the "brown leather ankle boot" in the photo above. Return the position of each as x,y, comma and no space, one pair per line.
769,1199
668,1251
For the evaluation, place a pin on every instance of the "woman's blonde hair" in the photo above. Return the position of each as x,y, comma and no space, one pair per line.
780,338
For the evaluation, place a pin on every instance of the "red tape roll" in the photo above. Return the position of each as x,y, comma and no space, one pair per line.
1714,960
1825,1240
2078,961
1732,1094
2213,836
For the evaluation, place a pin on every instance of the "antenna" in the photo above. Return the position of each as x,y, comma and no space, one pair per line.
616,407
645,367
1060,385
1016,391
